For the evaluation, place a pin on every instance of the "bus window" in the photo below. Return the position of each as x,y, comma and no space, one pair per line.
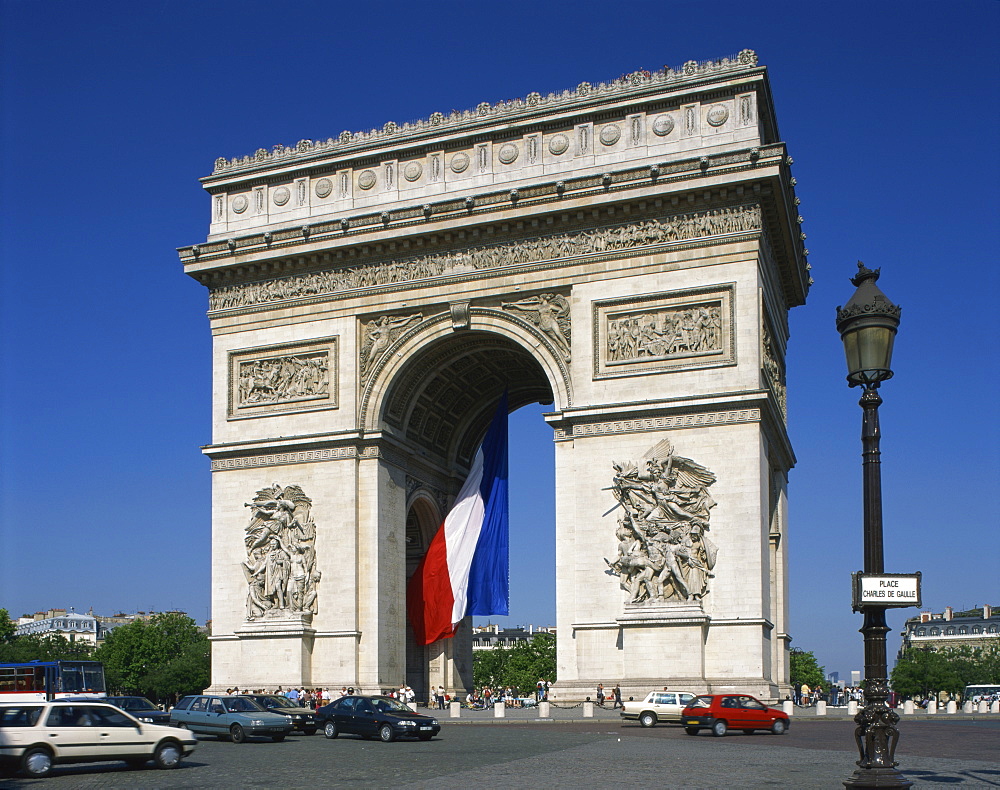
93,676
72,678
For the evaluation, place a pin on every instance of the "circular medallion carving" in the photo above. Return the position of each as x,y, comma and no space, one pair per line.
718,115
611,134
663,126
240,204
324,187
412,171
559,144
508,153
367,179
460,162
281,196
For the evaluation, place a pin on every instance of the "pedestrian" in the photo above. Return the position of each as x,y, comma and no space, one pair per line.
440,697
618,697
600,694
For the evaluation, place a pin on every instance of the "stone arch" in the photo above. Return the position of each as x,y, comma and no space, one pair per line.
434,372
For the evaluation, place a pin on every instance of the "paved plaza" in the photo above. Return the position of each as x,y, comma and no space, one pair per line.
520,751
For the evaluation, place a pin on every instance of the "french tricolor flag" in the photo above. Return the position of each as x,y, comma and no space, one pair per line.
466,568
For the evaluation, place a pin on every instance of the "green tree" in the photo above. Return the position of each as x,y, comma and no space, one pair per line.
803,668
164,656
520,666
7,627
51,647
921,673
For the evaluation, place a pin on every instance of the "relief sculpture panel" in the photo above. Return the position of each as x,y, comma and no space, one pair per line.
669,331
664,553
280,379
280,567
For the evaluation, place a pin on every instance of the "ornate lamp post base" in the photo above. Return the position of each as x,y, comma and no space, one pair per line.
877,735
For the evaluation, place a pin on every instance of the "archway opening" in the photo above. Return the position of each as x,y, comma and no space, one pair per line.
440,405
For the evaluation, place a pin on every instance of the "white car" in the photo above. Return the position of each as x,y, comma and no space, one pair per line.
658,706
34,736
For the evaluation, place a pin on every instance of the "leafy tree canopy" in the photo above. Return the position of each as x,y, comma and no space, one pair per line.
6,627
922,672
50,647
161,657
520,666
803,668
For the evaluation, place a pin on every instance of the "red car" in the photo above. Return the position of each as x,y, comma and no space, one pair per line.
721,712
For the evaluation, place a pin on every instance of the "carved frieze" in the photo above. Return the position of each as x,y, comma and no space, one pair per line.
280,565
668,331
283,378
550,314
664,553
678,227
377,336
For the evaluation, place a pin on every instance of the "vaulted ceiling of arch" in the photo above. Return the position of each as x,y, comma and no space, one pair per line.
444,399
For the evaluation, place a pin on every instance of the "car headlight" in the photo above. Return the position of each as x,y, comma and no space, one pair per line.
408,723
434,721
257,722
146,719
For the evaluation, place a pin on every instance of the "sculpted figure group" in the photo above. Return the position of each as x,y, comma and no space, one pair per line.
663,551
282,379
280,568
665,334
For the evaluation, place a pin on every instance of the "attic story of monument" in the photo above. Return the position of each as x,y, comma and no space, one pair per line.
626,253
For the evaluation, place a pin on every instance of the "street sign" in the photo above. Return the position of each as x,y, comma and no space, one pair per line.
885,589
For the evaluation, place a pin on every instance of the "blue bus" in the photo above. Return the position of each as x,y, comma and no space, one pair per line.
37,681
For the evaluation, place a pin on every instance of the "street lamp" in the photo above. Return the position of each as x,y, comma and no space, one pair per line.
867,326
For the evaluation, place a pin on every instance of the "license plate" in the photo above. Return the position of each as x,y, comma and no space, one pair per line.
694,722
425,728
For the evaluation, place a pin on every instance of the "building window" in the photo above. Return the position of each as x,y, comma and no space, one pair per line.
950,631
921,632
976,629
935,631
963,630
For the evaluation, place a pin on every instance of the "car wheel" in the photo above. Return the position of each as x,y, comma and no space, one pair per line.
309,731
647,719
330,729
779,727
691,730
719,729
168,755
278,738
37,763
237,733
385,733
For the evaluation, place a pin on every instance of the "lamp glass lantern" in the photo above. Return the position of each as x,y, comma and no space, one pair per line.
867,326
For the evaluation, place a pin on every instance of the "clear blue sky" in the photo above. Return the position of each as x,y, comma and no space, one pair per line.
112,111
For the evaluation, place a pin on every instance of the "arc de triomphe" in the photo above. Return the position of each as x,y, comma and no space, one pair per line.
626,252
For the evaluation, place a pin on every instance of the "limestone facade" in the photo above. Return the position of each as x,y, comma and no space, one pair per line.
626,252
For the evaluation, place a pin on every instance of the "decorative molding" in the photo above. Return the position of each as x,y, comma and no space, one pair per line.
648,233
284,378
665,332
283,459
634,84
662,423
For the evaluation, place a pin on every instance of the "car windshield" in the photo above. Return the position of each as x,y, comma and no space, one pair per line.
700,702
389,704
135,703
242,705
278,702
